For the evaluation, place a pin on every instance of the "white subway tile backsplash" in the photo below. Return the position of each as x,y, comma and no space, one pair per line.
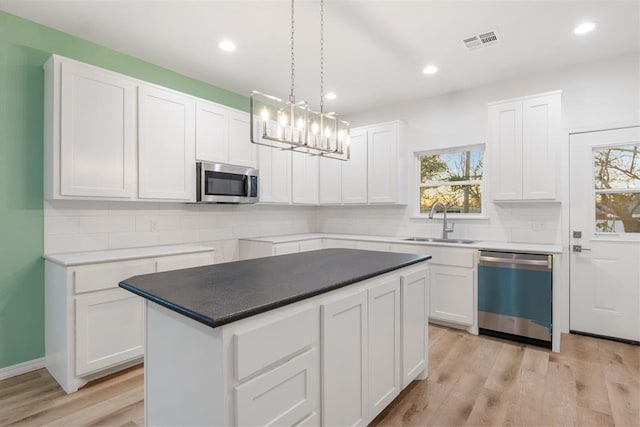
108,224
75,207
57,243
60,225
132,239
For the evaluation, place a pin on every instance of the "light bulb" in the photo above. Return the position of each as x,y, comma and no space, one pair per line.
265,115
283,119
315,128
327,132
300,124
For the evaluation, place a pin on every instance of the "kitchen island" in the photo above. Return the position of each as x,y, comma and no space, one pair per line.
327,337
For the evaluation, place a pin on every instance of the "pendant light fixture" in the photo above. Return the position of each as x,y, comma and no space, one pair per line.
292,125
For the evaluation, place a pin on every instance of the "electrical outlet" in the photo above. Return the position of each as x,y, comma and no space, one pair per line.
537,225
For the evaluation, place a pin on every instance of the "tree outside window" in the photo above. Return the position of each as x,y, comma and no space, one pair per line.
454,178
617,188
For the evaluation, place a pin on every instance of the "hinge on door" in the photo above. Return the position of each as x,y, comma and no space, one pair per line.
549,262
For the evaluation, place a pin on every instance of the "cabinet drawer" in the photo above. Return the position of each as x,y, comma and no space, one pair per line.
454,257
263,345
177,262
284,396
106,276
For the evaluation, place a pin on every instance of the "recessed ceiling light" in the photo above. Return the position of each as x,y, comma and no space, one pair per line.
430,69
331,95
585,27
227,45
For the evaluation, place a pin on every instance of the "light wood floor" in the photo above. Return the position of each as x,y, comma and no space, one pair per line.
472,381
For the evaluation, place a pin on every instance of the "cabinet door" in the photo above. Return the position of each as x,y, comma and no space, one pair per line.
283,396
452,294
166,145
505,145
241,151
97,133
344,360
354,170
109,329
384,344
212,136
330,181
415,294
383,164
304,178
540,128
274,167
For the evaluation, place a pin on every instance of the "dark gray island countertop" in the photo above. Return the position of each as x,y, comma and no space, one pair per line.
224,293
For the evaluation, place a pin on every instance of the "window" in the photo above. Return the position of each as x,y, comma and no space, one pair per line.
453,177
616,173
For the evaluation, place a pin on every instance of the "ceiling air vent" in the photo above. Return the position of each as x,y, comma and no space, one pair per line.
482,40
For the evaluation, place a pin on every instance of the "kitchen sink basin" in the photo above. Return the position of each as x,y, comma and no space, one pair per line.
435,240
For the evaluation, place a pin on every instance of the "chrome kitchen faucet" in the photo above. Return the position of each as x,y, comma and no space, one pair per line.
446,229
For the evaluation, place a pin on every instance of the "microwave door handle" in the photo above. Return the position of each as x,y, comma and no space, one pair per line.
247,186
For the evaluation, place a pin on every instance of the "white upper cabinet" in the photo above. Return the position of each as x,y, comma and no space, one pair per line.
330,181
304,168
166,145
523,144
90,132
212,130
387,152
354,170
222,136
274,168
241,151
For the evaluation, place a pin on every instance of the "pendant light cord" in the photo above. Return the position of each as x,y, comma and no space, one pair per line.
292,97
321,56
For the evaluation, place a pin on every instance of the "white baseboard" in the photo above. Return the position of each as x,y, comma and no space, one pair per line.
21,368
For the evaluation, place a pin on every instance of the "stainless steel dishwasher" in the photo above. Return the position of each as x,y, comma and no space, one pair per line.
514,296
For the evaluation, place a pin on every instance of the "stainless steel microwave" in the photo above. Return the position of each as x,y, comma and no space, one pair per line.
222,183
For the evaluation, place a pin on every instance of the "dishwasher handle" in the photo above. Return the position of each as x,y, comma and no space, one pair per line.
516,262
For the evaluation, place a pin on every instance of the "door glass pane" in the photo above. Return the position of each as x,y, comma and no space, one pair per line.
618,213
617,167
458,198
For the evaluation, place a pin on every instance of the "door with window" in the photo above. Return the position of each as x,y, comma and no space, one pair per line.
605,233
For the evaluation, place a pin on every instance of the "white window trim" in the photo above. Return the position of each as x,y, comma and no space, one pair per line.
417,185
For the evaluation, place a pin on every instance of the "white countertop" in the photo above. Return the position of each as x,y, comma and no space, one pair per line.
487,245
92,257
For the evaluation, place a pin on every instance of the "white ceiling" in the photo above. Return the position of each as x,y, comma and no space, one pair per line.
375,50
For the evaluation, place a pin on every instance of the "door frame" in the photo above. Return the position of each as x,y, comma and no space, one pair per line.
565,228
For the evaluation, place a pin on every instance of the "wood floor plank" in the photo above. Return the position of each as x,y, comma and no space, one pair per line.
524,408
588,417
625,404
506,368
560,399
535,360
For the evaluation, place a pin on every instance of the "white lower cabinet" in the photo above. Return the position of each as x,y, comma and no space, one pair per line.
109,329
384,344
92,327
415,312
452,294
344,360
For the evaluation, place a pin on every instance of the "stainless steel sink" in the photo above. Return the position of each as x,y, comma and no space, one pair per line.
434,240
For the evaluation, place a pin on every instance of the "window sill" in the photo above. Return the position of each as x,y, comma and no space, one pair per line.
452,217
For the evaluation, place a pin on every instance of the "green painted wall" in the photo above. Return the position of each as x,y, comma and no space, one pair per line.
24,48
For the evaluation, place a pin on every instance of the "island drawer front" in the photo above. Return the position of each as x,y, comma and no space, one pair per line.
266,344
285,395
108,275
